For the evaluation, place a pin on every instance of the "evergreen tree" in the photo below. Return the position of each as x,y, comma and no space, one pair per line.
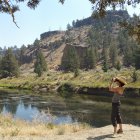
36,43
106,38
76,72
68,26
73,23
113,53
118,65
21,54
90,58
9,65
95,38
40,64
129,53
105,60
96,54
122,41
37,68
134,76
137,58
105,66
91,52
70,60
128,57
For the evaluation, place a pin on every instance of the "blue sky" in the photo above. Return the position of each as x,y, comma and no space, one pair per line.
49,15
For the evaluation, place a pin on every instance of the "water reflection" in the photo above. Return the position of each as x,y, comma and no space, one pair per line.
55,109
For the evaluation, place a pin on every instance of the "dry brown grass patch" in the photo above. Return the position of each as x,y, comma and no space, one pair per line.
11,127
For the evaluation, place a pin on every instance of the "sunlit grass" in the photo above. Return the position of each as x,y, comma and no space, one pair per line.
91,78
12,127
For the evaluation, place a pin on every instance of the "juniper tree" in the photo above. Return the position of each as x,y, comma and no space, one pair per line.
9,65
40,64
70,60
90,58
118,65
113,53
105,66
137,58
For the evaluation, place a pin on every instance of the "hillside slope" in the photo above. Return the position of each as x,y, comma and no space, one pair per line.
89,32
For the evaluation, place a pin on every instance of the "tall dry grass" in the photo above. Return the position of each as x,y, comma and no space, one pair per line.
14,127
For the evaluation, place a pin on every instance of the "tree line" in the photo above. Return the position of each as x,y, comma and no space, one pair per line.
107,44
9,64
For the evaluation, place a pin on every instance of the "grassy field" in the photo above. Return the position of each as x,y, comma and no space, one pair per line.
53,79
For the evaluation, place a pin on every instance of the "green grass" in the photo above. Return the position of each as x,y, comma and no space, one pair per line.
92,78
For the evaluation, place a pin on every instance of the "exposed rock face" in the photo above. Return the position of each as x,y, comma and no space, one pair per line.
80,50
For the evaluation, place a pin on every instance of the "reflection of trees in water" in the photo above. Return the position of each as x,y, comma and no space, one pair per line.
2,99
10,102
95,119
55,109
25,103
84,113
11,106
1,107
70,107
86,110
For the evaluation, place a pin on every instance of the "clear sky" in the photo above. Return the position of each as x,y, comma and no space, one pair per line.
49,15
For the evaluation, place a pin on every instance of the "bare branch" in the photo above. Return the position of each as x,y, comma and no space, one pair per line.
11,11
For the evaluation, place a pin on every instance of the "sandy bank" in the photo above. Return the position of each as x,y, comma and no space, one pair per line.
104,133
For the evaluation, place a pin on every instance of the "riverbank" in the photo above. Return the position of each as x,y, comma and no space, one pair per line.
86,82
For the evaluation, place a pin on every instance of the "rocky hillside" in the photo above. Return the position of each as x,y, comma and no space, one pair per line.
100,31
53,45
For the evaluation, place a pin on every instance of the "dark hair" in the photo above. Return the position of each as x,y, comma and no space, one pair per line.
121,84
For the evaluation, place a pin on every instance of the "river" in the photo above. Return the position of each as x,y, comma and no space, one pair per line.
52,108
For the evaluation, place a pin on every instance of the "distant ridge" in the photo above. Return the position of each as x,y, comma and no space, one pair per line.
101,34
48,34
114,16
120,15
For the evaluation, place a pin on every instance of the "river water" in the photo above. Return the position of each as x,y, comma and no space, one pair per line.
52,108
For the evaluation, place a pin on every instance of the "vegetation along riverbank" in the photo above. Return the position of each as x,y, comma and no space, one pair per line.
87,82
